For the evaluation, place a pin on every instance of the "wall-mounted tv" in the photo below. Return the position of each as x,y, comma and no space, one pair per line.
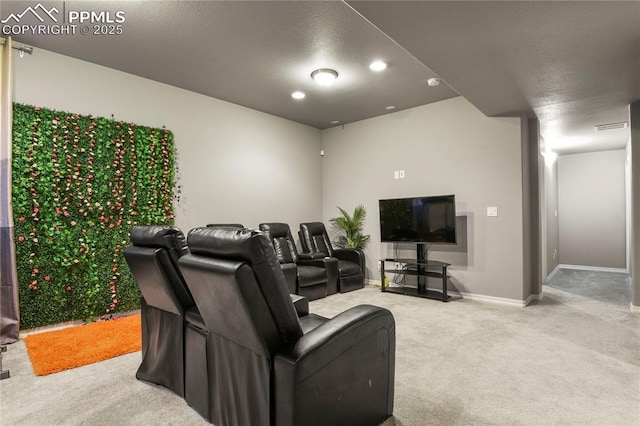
418,220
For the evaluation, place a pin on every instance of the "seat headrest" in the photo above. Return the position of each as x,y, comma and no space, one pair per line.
314,228
159,236
244,244
276,230
225,225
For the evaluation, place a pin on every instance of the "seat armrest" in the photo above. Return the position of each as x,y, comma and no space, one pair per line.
320,263
330,264
353,255
290,271
312,255
324,344
301,304
347,356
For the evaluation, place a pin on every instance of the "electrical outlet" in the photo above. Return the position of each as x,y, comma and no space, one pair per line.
401,174
398,265
379,264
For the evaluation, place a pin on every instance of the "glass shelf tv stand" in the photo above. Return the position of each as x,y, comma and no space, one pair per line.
422,268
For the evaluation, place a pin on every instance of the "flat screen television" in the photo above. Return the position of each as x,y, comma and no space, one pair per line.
418,220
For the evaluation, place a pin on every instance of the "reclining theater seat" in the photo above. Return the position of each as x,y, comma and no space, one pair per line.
301,303
311,278
351,262
153,261
262,367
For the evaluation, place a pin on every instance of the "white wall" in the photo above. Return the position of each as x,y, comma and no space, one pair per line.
236,164
591,195
448,147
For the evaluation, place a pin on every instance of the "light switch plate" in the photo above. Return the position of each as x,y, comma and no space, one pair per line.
396,175
492,211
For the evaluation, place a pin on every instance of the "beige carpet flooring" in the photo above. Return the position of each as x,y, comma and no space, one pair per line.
571,359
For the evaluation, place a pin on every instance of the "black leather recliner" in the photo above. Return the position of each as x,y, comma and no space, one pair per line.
173,332
351,262
267,366
311,278
153,261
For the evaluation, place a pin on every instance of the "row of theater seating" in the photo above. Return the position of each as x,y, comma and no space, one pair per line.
320,270
220,329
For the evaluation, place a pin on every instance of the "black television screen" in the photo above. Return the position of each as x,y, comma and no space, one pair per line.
419,220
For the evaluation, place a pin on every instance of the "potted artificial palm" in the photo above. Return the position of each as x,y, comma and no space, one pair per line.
349,228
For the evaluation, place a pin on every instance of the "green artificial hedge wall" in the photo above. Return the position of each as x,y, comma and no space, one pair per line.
80,183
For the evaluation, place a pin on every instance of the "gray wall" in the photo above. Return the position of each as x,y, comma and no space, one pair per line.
628,202
242,165
448,147
531,207
552,229
236,164
634,112
591,194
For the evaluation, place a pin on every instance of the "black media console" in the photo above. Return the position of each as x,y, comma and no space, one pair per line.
420,267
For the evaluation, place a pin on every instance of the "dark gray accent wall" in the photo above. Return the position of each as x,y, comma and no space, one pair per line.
634,113
591,194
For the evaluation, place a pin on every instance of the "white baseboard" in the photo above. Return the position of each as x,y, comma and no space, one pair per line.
372,283
532,297
479,297
593,268
553,273
493,299
633,308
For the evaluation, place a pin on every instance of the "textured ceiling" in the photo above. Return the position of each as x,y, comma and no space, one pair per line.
572,64
256,54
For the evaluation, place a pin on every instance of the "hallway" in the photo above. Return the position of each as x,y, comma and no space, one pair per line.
575,286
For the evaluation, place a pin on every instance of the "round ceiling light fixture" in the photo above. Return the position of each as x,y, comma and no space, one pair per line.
298,95
378,66
324,76
433,82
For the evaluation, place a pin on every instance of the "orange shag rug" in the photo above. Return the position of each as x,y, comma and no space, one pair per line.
55,351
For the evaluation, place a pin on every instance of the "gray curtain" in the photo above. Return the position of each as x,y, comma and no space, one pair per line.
9,309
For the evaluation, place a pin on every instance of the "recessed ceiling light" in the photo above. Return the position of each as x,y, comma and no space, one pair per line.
335,122
433,82
390,107
298,95
377,66
324,76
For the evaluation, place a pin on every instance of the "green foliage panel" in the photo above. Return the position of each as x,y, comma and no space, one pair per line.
80,183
